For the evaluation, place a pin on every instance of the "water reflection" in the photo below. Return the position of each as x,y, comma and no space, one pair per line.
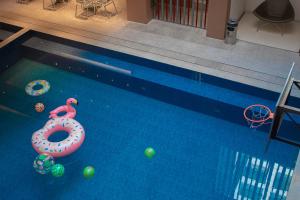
252,177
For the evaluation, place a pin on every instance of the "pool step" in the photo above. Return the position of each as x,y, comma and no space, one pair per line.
4,34
195,86
95,63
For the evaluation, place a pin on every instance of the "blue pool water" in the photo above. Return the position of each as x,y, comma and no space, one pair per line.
204,152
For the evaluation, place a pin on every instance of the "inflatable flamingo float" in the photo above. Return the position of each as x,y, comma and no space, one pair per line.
65,123
68,108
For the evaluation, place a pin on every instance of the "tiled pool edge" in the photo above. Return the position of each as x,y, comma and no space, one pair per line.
294,191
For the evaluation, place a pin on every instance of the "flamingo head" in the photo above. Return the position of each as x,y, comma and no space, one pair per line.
72,101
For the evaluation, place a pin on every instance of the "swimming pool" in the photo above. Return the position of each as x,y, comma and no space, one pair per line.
7,30
204,148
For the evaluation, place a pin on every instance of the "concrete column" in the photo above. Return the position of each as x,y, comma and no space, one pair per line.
139,11
217,16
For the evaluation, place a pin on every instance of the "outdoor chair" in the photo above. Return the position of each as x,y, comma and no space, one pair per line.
106,3
53,4
23,1
85,6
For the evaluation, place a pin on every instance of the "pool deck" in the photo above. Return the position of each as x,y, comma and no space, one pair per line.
182,46
186,47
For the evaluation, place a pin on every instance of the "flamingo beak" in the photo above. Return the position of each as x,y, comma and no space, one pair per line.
76,102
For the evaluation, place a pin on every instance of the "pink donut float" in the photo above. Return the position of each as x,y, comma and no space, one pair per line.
62,148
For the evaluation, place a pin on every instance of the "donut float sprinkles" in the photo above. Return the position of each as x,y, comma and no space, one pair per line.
62,148
29,89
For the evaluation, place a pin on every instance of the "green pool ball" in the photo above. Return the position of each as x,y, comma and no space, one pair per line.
149,152
58,170
88,172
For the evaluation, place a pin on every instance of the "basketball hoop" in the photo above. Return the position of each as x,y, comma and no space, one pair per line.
258,115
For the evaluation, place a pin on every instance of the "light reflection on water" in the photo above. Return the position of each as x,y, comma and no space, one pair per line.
253,177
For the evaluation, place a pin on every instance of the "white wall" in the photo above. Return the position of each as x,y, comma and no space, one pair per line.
296,5
252,4
237,8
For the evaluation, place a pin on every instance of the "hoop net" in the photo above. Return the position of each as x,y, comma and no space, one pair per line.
258,115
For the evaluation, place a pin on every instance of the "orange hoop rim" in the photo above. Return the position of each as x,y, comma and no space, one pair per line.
271,115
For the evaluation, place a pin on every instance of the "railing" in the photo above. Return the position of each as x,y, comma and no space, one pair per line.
186,12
